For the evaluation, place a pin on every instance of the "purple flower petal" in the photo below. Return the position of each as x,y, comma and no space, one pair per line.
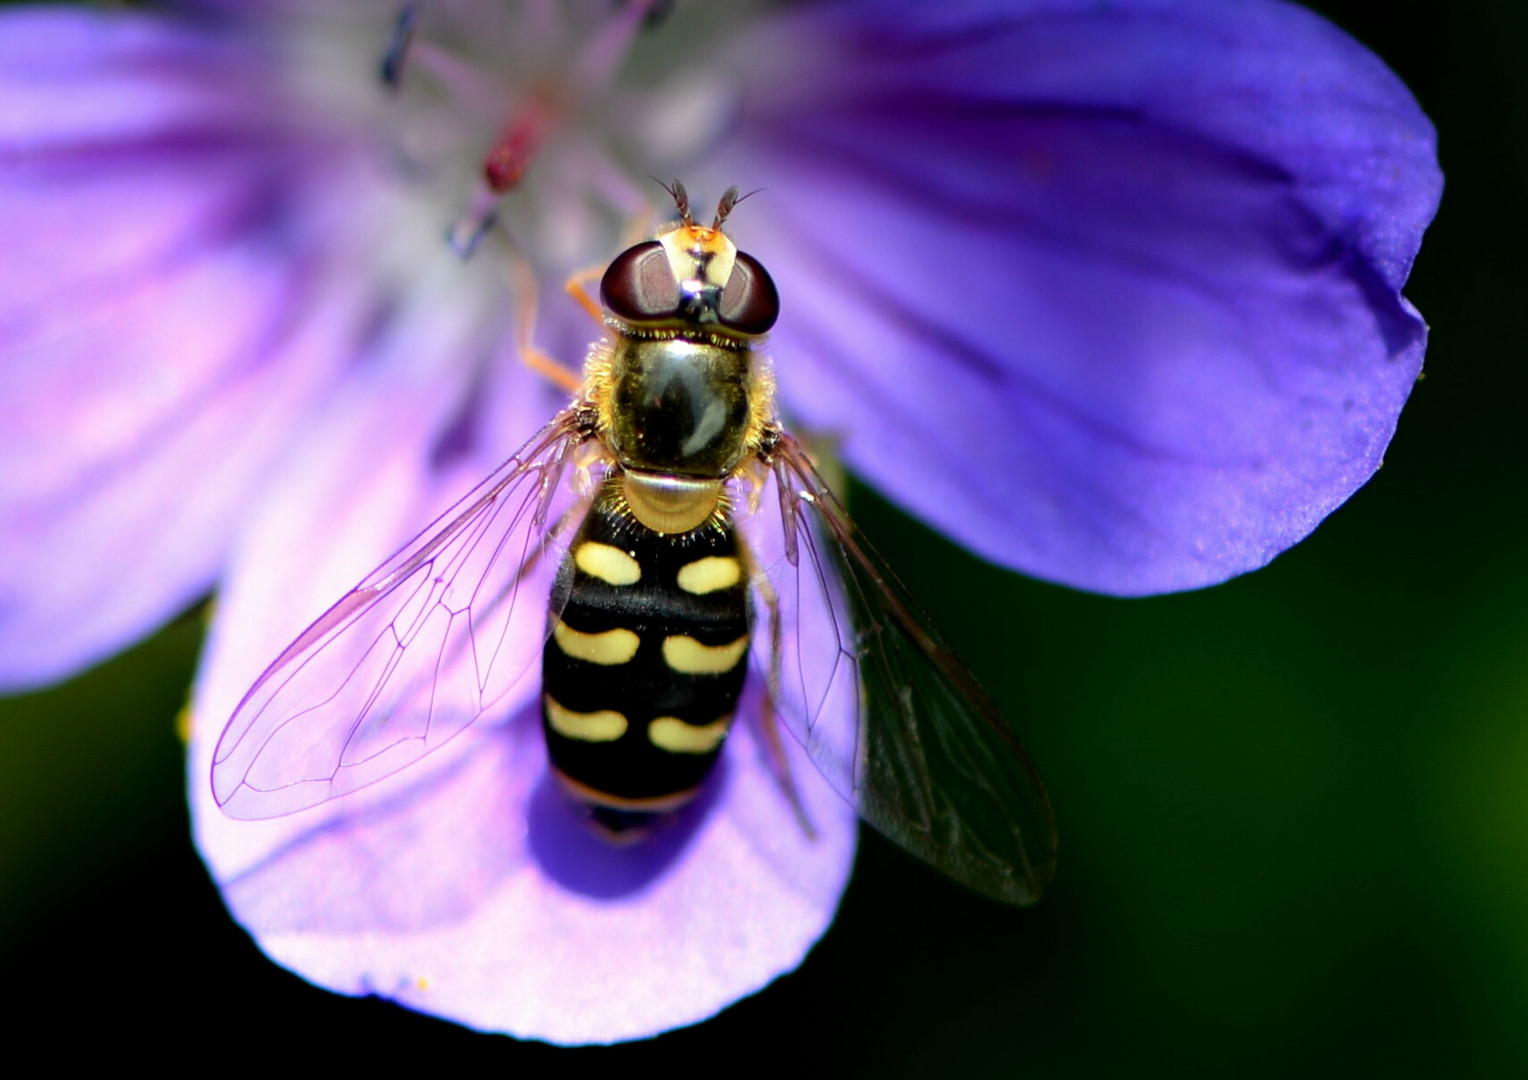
473,893
155,322
1110,293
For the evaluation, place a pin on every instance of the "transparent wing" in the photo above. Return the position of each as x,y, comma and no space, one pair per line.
413,654
893,720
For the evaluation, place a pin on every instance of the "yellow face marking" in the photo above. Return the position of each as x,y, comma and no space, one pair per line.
607,725
674,735
709,575
689,657
612,647
693,249
610,564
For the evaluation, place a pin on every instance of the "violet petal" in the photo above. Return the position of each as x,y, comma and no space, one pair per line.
1109,293
148,222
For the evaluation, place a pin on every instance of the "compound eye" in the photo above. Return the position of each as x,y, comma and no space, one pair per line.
639,286
749,304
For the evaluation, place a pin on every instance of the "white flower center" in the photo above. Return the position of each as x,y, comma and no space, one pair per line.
539,119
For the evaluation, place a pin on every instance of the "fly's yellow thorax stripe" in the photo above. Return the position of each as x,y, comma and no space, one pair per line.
709,575
689,657
610,564
609,648
674,735
607,725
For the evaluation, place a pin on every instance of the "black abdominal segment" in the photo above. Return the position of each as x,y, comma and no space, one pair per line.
642,672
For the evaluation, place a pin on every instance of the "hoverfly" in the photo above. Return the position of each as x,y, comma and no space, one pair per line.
690,542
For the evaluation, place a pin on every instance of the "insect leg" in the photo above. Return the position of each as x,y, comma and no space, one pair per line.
575,287
542,363
768,721
577,284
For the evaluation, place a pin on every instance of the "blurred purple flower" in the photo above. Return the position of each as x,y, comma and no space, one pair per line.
1108,292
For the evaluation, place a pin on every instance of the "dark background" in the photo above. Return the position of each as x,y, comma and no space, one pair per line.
1294,809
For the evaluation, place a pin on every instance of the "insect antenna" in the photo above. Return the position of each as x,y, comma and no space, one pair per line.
730,199
723,208
681,200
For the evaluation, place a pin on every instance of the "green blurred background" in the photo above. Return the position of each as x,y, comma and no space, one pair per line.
1293,809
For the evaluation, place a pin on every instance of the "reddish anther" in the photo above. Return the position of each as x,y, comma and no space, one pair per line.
508,159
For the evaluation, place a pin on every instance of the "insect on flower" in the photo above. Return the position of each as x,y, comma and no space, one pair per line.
685,539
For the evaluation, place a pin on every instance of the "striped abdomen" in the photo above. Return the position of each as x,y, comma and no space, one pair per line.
642,672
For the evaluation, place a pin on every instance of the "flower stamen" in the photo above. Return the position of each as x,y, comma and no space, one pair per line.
508,158
597,64
398,46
